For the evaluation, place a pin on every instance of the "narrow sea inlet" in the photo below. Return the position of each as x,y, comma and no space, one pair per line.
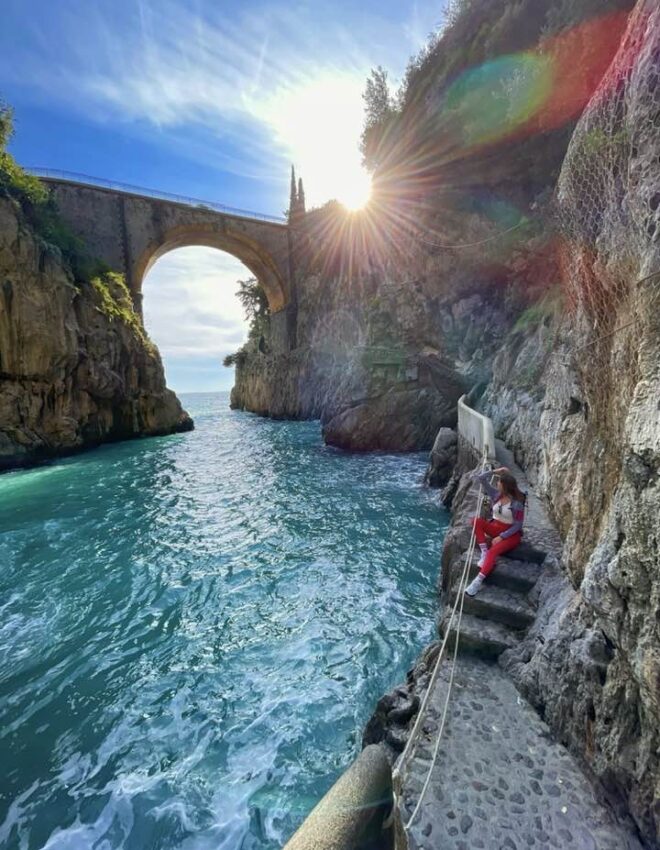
194,630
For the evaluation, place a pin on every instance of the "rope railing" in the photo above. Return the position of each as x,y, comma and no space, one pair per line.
456,616
141,192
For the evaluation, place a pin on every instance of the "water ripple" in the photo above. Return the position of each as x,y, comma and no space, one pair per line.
194,630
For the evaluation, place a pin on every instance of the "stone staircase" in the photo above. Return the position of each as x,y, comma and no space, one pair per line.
495,619
498,779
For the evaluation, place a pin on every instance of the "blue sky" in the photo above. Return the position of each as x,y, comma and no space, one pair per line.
207,99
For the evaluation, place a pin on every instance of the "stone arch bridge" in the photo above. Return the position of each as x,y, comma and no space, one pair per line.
130,228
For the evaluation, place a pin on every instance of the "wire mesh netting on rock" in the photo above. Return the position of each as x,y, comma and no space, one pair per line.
608,203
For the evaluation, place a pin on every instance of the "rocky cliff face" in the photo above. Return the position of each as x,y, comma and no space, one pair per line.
401,309
75,366
575,391
383,354
560,325
588,431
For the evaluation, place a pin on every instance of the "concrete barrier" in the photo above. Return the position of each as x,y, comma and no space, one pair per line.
351,815
475,431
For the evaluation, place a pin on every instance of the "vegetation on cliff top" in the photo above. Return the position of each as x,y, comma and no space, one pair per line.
474,32
112,295
255,305
38,207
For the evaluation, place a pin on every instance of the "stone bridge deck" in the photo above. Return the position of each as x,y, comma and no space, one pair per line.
129,228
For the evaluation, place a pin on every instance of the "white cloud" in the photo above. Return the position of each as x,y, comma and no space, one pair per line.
266,83
190,306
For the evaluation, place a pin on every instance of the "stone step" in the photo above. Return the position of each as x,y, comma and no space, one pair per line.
510,574
528,552
497,604
481,637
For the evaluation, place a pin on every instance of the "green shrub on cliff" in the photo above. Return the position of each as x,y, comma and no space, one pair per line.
380,114
114,301
238,358
255,305
13,179
6,125
38,207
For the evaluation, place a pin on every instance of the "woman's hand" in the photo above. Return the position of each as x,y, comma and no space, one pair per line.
500,470
496,540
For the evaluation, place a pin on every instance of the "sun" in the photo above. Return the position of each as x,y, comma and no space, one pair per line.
355,195
318,122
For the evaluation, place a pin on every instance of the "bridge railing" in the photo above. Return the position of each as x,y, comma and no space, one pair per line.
475,430
128,189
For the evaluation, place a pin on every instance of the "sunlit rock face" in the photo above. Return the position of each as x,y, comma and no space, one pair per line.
370,390
382,356
71,376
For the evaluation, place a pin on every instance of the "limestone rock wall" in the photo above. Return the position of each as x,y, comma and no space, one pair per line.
588,431
383,356
71,375
575,391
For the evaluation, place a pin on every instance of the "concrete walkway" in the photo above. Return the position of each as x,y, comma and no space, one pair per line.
500,781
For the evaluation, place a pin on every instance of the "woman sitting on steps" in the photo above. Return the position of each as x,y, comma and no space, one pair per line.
505,528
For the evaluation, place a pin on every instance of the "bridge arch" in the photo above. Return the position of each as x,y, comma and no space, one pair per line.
201,234
129,228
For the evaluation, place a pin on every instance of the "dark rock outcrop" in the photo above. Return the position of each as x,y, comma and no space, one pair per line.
443,458
364,366
399,420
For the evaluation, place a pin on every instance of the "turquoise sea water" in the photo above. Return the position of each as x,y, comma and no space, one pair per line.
194,630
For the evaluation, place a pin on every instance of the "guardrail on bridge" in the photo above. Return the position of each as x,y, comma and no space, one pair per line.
141,192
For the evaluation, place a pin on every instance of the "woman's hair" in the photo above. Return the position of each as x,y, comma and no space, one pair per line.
510,487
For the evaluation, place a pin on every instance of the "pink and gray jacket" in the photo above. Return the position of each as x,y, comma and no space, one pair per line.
512,514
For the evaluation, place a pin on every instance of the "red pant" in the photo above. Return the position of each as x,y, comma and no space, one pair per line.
492,528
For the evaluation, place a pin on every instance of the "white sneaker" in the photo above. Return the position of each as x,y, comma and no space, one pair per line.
475,585
484,552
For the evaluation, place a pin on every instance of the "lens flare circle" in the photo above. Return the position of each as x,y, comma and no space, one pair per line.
492,100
